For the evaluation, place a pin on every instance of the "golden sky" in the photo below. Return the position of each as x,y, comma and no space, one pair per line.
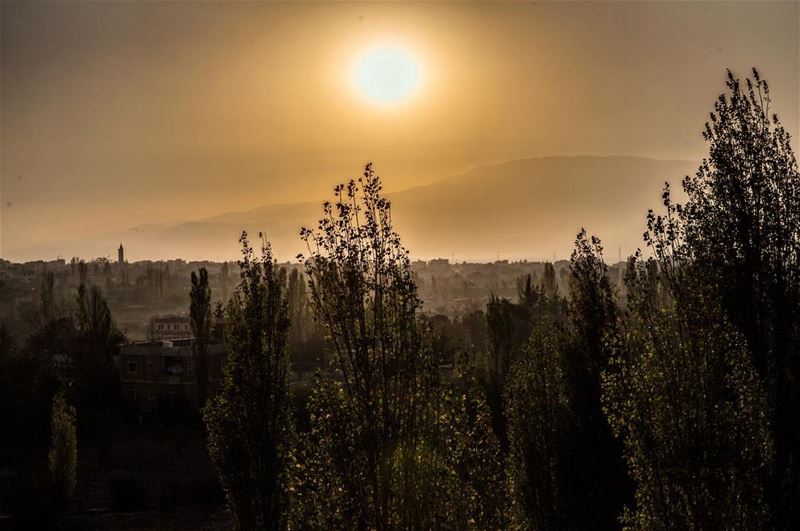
119,114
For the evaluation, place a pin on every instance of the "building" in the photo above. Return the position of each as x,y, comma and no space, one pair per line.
168,327
155,371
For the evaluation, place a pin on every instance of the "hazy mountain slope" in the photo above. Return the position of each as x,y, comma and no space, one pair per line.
523,209
534,207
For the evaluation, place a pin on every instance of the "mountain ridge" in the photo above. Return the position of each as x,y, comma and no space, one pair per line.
526,208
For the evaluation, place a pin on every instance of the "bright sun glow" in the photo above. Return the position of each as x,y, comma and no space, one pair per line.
387,75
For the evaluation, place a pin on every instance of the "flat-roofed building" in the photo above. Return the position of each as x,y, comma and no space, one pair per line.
168,327
154,370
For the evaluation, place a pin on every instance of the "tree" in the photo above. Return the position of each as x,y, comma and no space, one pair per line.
540,425
684,397
305,339
217,334
249,423
200,317
740,226
476,455
95,381
380,452
363,293
63,456
224,279
601,487
508,327
47,309
549,282
565,467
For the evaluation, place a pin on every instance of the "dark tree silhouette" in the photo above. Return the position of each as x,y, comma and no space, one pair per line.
508,327
363,293
63,455
249,423
601,485
95,384
540,427
200,318
740,224
390,446
684,397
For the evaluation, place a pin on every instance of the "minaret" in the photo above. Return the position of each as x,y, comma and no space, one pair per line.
121,254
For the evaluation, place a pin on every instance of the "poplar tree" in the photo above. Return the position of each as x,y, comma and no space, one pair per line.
63,456
741,224
249,422
200,318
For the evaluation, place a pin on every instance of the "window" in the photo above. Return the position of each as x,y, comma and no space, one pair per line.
133,367
173,366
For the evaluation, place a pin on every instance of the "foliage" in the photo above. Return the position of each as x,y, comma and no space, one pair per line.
601,485
740,225
509,326
305,338
27,384
363,293
685,399
540,424
200,318
380,453
92,375
249,423
63,455
476,455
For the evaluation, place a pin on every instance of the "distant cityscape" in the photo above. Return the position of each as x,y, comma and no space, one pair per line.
139,291
149,301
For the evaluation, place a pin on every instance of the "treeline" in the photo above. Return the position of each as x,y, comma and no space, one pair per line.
65,365
675,408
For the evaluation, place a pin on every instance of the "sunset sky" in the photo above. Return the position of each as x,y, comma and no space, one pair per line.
120,114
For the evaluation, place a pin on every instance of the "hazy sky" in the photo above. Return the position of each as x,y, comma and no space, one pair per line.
116,114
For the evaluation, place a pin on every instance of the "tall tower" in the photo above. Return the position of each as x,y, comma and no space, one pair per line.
121,254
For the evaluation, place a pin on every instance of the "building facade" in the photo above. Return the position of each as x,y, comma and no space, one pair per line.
157,370
169,327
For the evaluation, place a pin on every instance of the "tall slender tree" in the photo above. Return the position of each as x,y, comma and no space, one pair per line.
508,327
200,318
363,292
741,226
601,485
95,386
249,422
540,429
47,299
382,445
683,395
63,455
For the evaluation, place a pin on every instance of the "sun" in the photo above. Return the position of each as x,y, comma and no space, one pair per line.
387,75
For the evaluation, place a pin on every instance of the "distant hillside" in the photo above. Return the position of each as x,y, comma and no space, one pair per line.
528,208
534,207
